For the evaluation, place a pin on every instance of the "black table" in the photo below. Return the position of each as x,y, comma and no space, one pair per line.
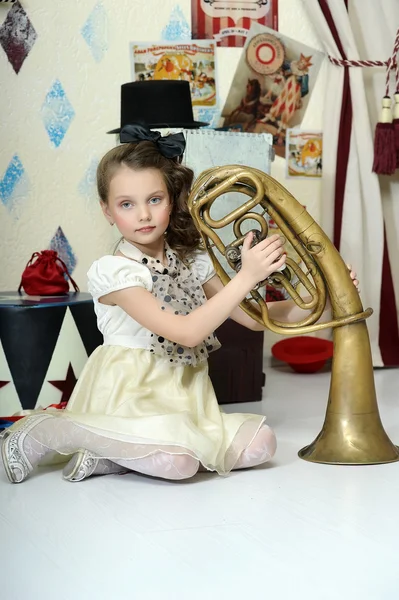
45,343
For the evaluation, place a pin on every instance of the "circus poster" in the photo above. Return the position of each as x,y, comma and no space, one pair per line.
272,85
304,153
229,21
193,62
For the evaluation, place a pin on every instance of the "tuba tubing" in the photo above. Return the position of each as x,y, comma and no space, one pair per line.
299,228
352,432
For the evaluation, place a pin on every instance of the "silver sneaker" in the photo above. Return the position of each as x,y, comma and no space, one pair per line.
85,463
82,465
15,461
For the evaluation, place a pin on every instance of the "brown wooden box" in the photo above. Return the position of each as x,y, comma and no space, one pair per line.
236,370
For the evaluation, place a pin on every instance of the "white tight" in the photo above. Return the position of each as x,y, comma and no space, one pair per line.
183,466
260,450
164,465
160,463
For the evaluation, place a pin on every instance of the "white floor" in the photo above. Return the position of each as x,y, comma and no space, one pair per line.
291,530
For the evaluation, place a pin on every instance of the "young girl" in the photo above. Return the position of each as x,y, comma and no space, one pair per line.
144,401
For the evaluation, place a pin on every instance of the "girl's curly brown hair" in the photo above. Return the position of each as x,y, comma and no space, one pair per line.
181,235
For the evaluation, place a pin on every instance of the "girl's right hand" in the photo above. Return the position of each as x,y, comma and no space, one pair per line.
262,259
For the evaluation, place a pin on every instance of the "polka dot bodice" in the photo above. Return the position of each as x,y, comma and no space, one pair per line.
176,286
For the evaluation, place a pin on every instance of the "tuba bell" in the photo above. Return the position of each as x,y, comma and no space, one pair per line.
352,433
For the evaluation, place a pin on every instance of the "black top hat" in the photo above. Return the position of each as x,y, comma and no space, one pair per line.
160,103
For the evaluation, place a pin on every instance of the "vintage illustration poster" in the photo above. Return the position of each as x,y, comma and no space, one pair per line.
193,62
272,85
229,21
304,153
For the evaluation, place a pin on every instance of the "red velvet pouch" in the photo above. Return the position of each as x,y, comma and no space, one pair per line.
46,274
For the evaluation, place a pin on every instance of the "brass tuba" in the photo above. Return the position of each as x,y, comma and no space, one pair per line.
352,433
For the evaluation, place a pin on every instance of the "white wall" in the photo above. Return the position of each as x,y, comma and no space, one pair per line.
53,190
57,186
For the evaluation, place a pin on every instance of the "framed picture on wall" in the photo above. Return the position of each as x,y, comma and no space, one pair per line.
228,21
272,85
304,153
186,61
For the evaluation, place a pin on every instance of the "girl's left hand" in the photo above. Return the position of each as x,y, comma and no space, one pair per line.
353,277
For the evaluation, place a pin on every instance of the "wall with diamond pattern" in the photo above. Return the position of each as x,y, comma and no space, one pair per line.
61,67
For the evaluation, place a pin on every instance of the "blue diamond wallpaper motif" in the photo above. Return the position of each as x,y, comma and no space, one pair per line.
57,113
14,184
87,185
177,28
95,31
207,115
60,244
17,36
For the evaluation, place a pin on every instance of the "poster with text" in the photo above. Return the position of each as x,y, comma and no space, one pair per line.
272,85
192,62
304,153
229,21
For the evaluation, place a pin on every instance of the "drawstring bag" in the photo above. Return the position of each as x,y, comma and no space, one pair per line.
46,275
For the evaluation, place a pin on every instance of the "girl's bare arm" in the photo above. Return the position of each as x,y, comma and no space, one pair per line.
284,310
190,330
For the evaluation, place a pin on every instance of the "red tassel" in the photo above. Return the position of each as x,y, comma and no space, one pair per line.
396,134
396,127
384,142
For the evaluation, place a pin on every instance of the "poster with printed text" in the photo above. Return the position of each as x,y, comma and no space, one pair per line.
193,62
304,153
272,85
229,21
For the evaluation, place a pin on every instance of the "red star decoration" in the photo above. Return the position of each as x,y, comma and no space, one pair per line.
66,386
3,383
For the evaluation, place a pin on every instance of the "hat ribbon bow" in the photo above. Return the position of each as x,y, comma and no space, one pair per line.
170,146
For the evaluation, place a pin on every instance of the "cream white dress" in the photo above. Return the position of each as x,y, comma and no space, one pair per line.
139,393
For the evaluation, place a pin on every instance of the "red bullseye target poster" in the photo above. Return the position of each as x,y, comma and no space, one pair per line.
271,87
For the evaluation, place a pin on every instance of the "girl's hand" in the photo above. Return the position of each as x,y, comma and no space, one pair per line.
353,277
262,259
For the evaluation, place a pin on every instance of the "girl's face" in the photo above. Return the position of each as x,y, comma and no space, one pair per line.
139,205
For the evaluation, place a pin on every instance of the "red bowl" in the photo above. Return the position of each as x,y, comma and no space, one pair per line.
304,354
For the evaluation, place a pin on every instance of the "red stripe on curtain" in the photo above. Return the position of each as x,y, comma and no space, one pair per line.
345,128
389,330
198,18
388,326
216,27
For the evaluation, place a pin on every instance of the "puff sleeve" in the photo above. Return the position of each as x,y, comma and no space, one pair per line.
203,266
114,273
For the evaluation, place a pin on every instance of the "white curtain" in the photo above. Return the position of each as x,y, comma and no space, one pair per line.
376,43
362,232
